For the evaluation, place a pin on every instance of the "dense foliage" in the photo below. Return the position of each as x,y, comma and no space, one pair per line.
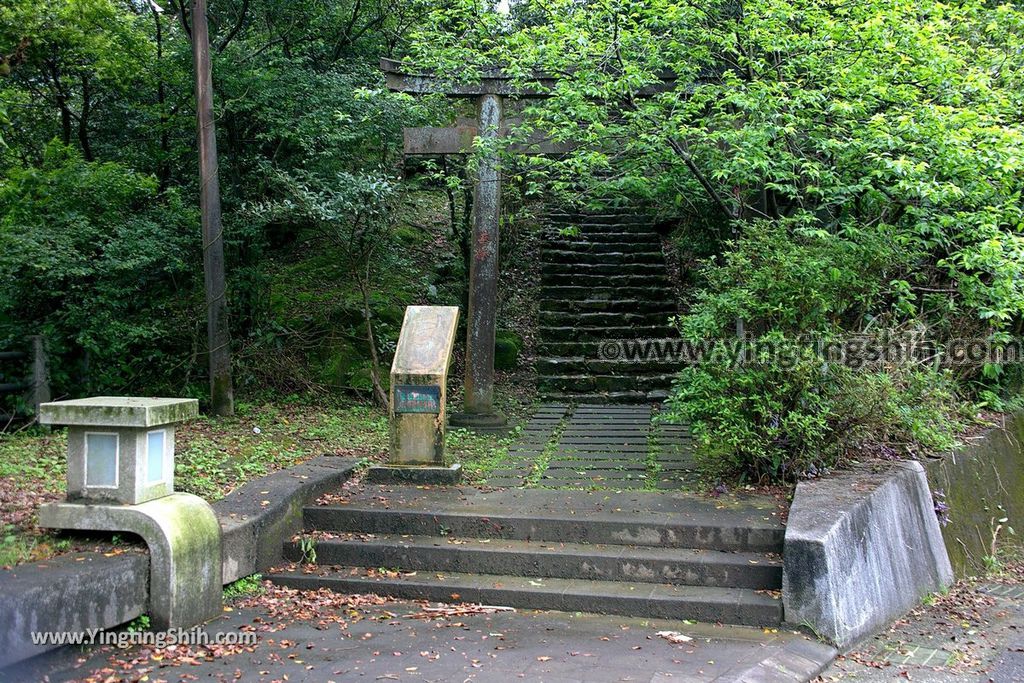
99,184
830,170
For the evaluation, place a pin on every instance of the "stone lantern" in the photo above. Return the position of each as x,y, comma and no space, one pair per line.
121,478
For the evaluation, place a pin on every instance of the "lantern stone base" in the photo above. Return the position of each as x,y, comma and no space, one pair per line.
415,475
480,423
184,540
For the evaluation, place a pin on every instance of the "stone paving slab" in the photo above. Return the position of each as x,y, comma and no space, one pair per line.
736,510
590,446
982,644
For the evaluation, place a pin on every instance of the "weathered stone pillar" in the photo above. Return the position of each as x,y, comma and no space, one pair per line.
483,273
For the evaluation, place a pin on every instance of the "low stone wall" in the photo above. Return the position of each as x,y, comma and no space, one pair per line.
257,518
861,549
69,594
983,483
85,591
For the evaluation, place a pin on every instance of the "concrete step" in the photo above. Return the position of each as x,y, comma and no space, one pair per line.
696,525
555,256
618,236
603,268
602,319
700,603
666,308
604,218
627,279
566,333
586,348
608,292
549,560
587,383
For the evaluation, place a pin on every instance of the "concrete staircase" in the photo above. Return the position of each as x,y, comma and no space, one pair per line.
634,554
603,278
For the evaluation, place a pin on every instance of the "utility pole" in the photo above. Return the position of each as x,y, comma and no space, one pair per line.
217,330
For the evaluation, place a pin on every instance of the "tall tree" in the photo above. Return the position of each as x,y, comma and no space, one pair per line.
219,335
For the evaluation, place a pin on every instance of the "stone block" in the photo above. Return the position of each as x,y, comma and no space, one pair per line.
72,593
119,411
120,449
437,476
184,540
861,549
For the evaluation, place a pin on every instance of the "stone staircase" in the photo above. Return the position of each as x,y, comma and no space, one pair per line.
603,278
628,553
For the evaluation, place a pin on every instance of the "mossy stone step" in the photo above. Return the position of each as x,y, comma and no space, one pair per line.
558,256
609,306
618,236
596,248
605,383
608,292
570,219
609,279
609,333
650,520
607,398
550,560
602,319
561,365
603,268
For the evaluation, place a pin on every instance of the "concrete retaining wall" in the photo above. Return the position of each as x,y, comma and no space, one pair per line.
91,591
861,549
983,482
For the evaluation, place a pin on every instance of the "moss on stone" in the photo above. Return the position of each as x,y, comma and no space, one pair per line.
507,346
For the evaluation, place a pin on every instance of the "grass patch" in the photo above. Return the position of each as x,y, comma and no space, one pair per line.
215,455
244,587
479,454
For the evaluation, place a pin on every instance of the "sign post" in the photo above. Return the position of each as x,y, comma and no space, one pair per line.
417,411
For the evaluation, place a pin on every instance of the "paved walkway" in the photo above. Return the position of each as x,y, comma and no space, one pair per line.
975,633
599,446
333,642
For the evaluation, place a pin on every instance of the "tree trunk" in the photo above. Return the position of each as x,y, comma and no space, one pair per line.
218,333
83,120
380,396
163,171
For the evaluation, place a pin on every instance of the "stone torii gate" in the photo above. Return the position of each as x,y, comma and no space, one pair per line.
489,92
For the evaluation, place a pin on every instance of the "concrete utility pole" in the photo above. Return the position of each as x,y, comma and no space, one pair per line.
217,330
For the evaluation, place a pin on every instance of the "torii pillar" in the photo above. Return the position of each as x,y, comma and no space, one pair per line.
483,274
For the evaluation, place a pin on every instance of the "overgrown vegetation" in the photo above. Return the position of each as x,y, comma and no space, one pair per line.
99,191
215,455
836,170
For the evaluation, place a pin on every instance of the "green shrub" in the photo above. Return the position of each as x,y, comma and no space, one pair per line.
783,409
506,350
101,263
770,421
